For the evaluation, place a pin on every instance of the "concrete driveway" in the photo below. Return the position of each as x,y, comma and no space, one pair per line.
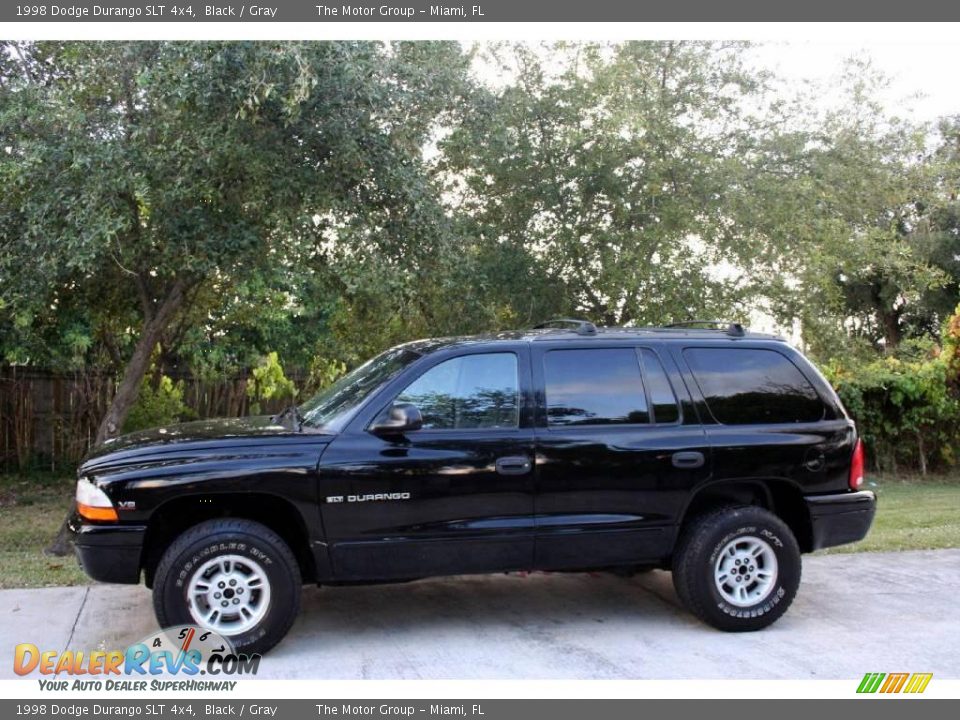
878,612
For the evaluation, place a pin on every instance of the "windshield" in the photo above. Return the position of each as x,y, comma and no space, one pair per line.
330,409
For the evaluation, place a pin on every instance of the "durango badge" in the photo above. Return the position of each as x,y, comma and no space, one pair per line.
368,498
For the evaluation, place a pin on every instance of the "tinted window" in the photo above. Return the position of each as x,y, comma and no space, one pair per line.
745,386
595,386
662,400
472,391
333,407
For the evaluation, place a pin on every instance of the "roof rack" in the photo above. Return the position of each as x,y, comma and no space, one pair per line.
733,329
580,327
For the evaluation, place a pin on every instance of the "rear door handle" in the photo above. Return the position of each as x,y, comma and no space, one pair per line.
516,465
688,460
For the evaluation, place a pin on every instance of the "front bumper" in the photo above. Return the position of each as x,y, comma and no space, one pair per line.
108,553
841,518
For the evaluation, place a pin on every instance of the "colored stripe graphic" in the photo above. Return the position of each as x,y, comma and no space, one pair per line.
918,683
894,682
870,682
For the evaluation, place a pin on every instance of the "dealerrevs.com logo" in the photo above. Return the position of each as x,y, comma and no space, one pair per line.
890,683
186,651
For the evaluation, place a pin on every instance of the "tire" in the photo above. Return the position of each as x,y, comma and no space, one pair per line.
746,542
242,553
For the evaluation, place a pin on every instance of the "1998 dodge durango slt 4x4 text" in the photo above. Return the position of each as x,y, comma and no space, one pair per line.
720,454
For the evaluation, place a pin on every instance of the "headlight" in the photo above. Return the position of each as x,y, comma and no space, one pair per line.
93,503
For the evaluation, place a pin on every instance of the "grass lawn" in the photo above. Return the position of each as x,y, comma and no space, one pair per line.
913,514
31,510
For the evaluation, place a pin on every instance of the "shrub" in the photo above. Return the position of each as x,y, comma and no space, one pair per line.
951,352
907,410
324,372
157,406
269,383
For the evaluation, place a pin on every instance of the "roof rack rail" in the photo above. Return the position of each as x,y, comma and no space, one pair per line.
580,327
733,329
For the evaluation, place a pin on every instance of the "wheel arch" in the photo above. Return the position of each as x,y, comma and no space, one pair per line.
781,497
179,514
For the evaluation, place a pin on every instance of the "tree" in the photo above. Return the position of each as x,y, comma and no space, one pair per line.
842,220
144,180
607,168
938,238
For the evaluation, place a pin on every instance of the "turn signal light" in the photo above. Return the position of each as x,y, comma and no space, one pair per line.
100,514
856,466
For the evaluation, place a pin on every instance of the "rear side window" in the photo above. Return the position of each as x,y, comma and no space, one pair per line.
599,386
745,385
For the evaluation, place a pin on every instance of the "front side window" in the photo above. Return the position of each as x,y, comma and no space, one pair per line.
596,386
745,385
468,392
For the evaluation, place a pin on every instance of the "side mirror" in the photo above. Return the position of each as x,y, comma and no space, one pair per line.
401,418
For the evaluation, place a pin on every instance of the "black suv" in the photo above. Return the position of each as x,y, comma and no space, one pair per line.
717,453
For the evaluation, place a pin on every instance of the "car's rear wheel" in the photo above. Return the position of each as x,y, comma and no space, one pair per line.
233,576
737,568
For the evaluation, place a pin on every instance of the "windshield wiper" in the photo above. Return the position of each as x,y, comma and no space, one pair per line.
291,411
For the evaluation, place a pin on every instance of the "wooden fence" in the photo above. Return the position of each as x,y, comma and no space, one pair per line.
48,420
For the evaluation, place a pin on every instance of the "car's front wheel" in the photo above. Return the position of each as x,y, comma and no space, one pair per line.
233,576
737,568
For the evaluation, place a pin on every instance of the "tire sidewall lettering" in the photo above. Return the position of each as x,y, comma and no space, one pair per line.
772,537
232,546
756,610
261,555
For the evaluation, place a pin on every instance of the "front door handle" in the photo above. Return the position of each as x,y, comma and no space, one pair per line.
516,465
688,460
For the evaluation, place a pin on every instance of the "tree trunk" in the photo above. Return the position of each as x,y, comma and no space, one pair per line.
129,388
892,334
139,363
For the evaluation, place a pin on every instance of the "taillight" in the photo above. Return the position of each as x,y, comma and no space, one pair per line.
856,466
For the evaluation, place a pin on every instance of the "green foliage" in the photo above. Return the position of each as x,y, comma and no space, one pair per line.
323,373
158,405
599,178
197,194
951,352
849,219
324,200
907,410
268,382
